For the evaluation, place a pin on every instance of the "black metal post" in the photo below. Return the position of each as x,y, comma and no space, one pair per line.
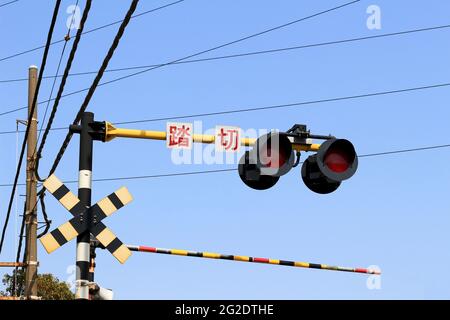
84,194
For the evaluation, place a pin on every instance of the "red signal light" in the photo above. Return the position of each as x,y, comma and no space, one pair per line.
335,161
273,154
250,174
271,157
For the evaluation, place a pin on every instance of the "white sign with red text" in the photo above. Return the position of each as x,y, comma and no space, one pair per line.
228,139
179,135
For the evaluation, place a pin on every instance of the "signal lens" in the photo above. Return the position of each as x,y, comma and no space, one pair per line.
251,176
273,158
337,160
274,154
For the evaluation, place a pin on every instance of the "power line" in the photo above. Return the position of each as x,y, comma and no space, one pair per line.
70,59
199,53
230,43
47,222
62,84
17,109
19,247
90,31
55,77
166,175
54,109
296,104
278,106
252,53
160,175
30,117
96,82
83,107
8,3
403,151
22,131
52,89
134,16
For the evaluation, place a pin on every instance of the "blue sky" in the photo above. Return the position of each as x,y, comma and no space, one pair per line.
393,213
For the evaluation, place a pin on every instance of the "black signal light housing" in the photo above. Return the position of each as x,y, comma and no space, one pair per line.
335,161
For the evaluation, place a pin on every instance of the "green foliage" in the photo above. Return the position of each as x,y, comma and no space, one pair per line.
49,287
8,280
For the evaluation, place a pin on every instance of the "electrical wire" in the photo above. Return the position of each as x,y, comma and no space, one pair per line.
19,247
252,53
95,83
30,118
229,43
62,84
48,222
295,104
386,153
57,72
90,31
199,53
278,106
110,53
8,3
22,131
403,151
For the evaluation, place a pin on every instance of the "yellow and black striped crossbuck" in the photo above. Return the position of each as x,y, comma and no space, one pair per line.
79,223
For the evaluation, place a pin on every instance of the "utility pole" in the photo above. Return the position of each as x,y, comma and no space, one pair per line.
84,194
31,192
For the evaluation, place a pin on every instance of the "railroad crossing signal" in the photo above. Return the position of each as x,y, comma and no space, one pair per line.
273,156
86,219
335,162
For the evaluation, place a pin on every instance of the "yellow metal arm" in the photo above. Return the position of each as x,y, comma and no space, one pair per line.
112,132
